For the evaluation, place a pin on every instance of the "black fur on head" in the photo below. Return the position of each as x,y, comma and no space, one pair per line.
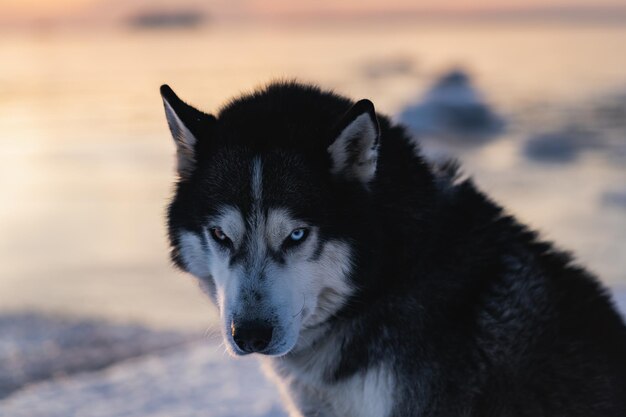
320,153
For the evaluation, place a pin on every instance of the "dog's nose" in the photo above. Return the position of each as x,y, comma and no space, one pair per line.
252,336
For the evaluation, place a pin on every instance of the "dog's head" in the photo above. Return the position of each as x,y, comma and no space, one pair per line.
269,206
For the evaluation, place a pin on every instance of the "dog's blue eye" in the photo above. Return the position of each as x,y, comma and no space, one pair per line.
298,235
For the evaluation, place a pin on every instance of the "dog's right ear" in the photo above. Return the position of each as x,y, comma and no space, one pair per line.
354,150
188,126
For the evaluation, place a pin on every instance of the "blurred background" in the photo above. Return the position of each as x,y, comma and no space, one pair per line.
530,95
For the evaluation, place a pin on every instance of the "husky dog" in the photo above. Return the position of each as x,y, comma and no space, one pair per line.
374,283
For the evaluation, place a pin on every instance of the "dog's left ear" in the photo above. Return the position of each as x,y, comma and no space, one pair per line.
354,151
188,125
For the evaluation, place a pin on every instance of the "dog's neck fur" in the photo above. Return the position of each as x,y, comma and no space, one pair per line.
307,378
318,346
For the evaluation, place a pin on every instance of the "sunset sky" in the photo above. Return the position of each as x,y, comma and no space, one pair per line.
60,11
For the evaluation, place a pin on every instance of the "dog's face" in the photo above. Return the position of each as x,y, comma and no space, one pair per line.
256,225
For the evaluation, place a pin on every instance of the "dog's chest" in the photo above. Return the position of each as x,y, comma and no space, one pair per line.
367,393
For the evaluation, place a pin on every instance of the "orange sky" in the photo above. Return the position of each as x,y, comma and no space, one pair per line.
40,8
94,10
282,6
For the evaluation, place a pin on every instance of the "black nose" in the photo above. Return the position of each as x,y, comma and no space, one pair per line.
252,336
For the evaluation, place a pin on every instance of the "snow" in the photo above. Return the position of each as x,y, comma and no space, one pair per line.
198,378
35,347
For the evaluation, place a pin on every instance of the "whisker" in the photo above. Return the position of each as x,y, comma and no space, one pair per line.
301,308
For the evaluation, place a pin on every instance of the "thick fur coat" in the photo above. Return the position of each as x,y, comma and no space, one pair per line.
449,307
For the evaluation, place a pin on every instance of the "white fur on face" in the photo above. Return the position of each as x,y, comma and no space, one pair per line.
303,291
325,279
195,257
304,288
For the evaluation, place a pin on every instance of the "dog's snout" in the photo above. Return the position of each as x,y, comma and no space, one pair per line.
252,336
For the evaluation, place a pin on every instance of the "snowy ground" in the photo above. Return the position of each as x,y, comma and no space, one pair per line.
197,380
53,371
34,347
68,368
